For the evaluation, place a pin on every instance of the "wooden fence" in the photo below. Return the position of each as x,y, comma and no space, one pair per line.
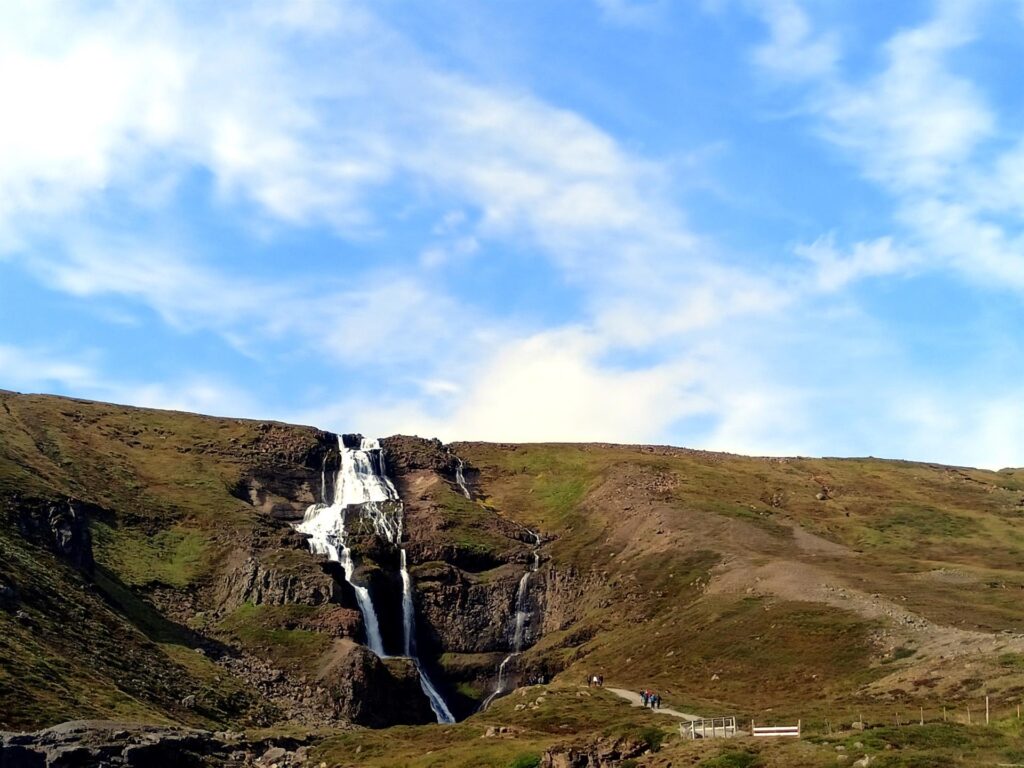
709,728
775,730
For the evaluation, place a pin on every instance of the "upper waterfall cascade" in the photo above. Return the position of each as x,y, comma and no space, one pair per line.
363,488
460,478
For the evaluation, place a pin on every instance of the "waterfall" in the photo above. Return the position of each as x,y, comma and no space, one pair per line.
437,704
325,524
500,687
522,615
362,482
460,478
408,610
323,480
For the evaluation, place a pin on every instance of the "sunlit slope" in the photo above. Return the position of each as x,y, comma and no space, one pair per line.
156,489
747,583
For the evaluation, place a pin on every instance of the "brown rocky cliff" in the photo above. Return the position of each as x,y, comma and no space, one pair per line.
61,525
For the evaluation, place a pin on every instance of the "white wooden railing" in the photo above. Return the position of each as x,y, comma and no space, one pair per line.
775,730
709,728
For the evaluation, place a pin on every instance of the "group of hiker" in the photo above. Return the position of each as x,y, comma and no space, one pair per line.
650,699
595,681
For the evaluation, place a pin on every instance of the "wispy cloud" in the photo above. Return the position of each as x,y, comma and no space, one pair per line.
319,117
794,51
30,367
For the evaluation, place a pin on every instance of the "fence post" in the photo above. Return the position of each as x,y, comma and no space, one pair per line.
986,709
943,713
922,715
968,714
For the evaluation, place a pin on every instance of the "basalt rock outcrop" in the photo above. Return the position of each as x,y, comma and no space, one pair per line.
109,744
602,753
61,525
289,477
373,691
276,577
466,614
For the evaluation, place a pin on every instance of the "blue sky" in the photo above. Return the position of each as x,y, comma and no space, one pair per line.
760,226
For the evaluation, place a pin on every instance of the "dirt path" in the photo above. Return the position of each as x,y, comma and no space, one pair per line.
634,699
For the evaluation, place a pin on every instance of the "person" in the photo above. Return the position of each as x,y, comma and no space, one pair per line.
643,697
657,701
600,681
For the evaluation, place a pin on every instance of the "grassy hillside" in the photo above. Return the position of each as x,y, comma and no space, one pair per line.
739,584
828,590
158,486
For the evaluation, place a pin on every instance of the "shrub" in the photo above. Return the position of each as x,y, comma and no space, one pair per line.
525,760
743,759
652,737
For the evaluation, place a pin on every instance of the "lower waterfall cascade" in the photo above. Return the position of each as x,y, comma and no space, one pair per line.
362,482
522,615
437,703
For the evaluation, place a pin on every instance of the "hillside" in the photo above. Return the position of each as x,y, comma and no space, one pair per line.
150,573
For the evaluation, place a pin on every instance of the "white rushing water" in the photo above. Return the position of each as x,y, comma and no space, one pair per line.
460,477
437,703
522,615
500,687
325,524
363,483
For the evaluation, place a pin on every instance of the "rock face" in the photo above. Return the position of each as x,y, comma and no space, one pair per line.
61,526
372,691
464,614
294,476
107,744
270,578
605,753
405,454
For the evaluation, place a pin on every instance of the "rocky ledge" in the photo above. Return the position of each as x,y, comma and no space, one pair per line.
106,744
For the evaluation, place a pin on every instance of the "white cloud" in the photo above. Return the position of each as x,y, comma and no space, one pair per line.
552,386
794,51
30,368
304,112
916,121
48,369
835,270
923,132
943,426
909,125
194,393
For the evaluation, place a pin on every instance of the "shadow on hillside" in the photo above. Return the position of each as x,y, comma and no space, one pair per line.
143,615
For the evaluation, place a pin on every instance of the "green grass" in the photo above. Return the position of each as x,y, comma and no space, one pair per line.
562,711
468,526
733,758
262,628
757,515
1014,661
174,557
